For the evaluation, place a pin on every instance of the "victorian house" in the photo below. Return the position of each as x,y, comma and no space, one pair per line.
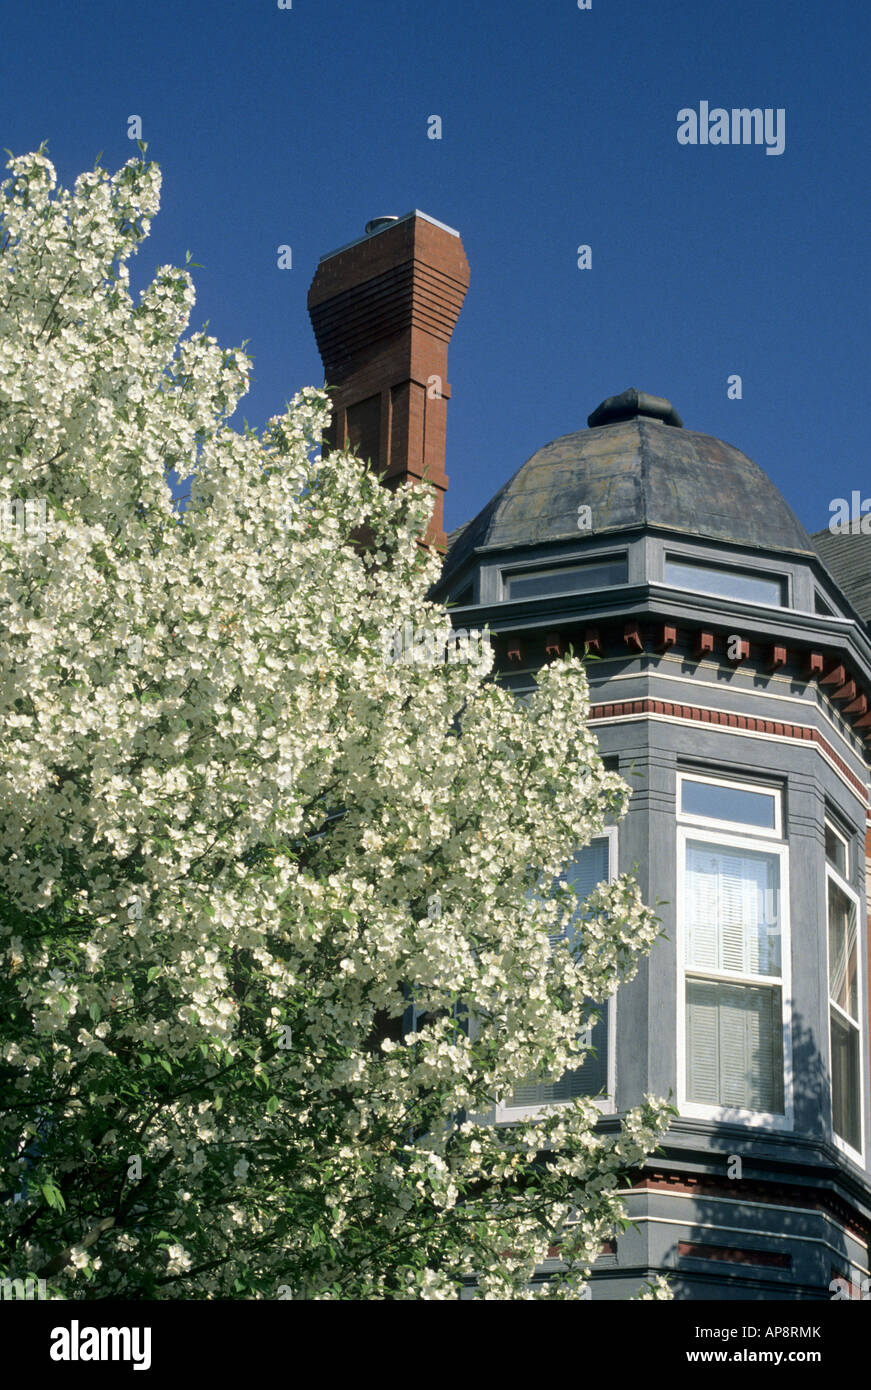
731,686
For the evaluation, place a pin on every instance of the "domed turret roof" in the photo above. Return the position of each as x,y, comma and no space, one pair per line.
636,466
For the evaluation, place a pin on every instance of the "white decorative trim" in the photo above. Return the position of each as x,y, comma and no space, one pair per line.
734,827
857,1156
720,1113
689,1224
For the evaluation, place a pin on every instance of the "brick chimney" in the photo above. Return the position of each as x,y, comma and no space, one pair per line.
383,310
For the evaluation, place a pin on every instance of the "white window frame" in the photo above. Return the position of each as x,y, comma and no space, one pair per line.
696,561
730,826
857,1155
570,565
694,828
607,1104
839,835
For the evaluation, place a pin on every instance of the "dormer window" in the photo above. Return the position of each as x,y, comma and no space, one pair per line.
750,586
566,579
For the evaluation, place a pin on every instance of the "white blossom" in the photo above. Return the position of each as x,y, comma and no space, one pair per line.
224,819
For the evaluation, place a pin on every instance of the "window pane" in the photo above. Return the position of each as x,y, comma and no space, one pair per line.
707,579
591,1079
584,872
728,803
843,952
845,1081
570,580
588,868
732,910
734,1045
836,851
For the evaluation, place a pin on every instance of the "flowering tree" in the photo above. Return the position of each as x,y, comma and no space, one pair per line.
242,848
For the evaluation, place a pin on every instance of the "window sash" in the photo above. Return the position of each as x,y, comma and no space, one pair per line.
837,850
845,1018
591,866
606,573
734,1028
721,822
729,802
732,911
591,1079
734,1035
843,952
751,586
845,1046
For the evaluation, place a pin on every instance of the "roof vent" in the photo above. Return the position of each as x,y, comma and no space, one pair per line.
631,404
379,223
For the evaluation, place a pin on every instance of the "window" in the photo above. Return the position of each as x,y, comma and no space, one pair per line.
567,579
837,850
727,583
845,1026
820,605
703,799
594,864
733,957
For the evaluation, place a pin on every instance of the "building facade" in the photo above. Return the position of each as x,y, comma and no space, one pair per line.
730,680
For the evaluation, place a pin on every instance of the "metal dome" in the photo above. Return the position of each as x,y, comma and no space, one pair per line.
633,473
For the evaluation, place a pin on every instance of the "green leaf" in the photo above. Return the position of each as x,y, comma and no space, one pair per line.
52,1196
94,1011
272,1105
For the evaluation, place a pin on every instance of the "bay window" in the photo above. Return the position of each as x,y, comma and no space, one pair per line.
845,1028
732,896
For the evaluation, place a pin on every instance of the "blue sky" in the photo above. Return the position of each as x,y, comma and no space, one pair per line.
559,128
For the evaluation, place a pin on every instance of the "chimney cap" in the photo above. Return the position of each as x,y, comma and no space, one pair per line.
415,212
378,223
